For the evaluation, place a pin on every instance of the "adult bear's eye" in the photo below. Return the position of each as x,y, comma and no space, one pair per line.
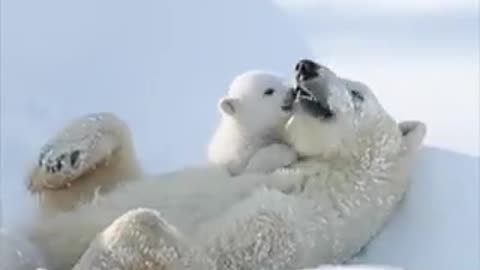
357,95
269,92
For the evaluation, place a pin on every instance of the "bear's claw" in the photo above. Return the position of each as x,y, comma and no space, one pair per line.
78,148
53,164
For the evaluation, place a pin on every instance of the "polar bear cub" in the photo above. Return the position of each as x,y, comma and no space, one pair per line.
249,137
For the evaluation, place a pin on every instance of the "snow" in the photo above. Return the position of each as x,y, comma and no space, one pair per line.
437,224
144,61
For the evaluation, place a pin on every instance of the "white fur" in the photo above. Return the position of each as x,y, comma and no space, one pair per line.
319,211
270,158
252,123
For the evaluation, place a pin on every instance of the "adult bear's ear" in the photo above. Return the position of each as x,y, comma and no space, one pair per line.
413,133
228,105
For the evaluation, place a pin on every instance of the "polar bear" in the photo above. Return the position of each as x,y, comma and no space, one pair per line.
354,169
249,137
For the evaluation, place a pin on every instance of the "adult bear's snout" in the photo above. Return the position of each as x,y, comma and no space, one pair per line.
306,69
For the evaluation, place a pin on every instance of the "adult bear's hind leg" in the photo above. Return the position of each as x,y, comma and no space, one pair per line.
92,154
141,239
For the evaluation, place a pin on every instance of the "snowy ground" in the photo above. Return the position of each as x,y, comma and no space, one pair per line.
158,64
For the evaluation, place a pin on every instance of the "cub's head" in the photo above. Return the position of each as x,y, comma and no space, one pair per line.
336,117
255,100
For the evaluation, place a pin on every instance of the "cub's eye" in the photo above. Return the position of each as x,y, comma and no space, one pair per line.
269,92
357,95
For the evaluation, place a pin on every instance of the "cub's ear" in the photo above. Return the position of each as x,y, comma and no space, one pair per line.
228,105
413,133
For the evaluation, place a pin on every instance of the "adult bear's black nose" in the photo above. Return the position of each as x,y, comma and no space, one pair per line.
306,69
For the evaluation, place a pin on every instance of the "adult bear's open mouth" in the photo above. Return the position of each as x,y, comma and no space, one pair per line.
294,95
316,107
308,102
312,90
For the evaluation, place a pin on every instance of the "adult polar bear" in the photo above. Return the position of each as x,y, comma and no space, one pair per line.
320,210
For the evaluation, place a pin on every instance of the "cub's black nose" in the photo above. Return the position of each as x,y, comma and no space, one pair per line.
306,69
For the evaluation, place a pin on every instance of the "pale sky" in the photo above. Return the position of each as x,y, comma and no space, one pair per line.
382,6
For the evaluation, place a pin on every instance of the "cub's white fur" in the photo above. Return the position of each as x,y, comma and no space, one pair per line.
249,136
320,210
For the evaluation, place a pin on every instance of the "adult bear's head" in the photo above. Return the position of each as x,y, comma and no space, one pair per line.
335,117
